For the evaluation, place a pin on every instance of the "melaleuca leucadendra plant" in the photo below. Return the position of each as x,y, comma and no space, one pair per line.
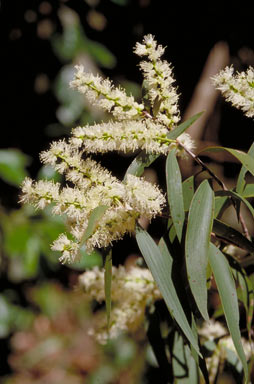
100,209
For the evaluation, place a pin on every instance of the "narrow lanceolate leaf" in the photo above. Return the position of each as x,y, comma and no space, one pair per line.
175,193
141,161
198,233
232,236
246,160
227,291
94,219
241,178
160,263
107,285
188,192
182,127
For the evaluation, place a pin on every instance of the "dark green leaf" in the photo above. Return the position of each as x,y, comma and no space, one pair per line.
183,126
107,285
231,235
241,178
175,194
227,291
244,158
160,262
94,219
188,192
198,233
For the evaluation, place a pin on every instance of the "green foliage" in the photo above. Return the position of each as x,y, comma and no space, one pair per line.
12,166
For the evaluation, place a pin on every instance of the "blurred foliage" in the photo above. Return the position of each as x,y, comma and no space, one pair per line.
56,348
12,166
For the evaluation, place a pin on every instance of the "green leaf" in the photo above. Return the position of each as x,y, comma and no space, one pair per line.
248,191
244,158
183,126
198,233
241,178
160,263
227,291
188,192
231,235
12,166
107,285
237,197
94,219
141,161
175,194
221,203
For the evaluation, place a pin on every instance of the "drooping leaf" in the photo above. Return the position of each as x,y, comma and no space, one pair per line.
198,233
107,285
160,263
175,194
94,219
183,126
12,166
188,192
141,161
241,178
246,160
227,291
231,235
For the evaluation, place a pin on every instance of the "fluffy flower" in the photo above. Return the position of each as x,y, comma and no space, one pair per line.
68,248
40,194
143,197
132,290
237,88
67,159
159,79
128,137
101,92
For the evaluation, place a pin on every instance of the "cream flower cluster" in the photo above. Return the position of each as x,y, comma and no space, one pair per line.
131,291
102,93
159,79
237,88
93,186
134,126
88,184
